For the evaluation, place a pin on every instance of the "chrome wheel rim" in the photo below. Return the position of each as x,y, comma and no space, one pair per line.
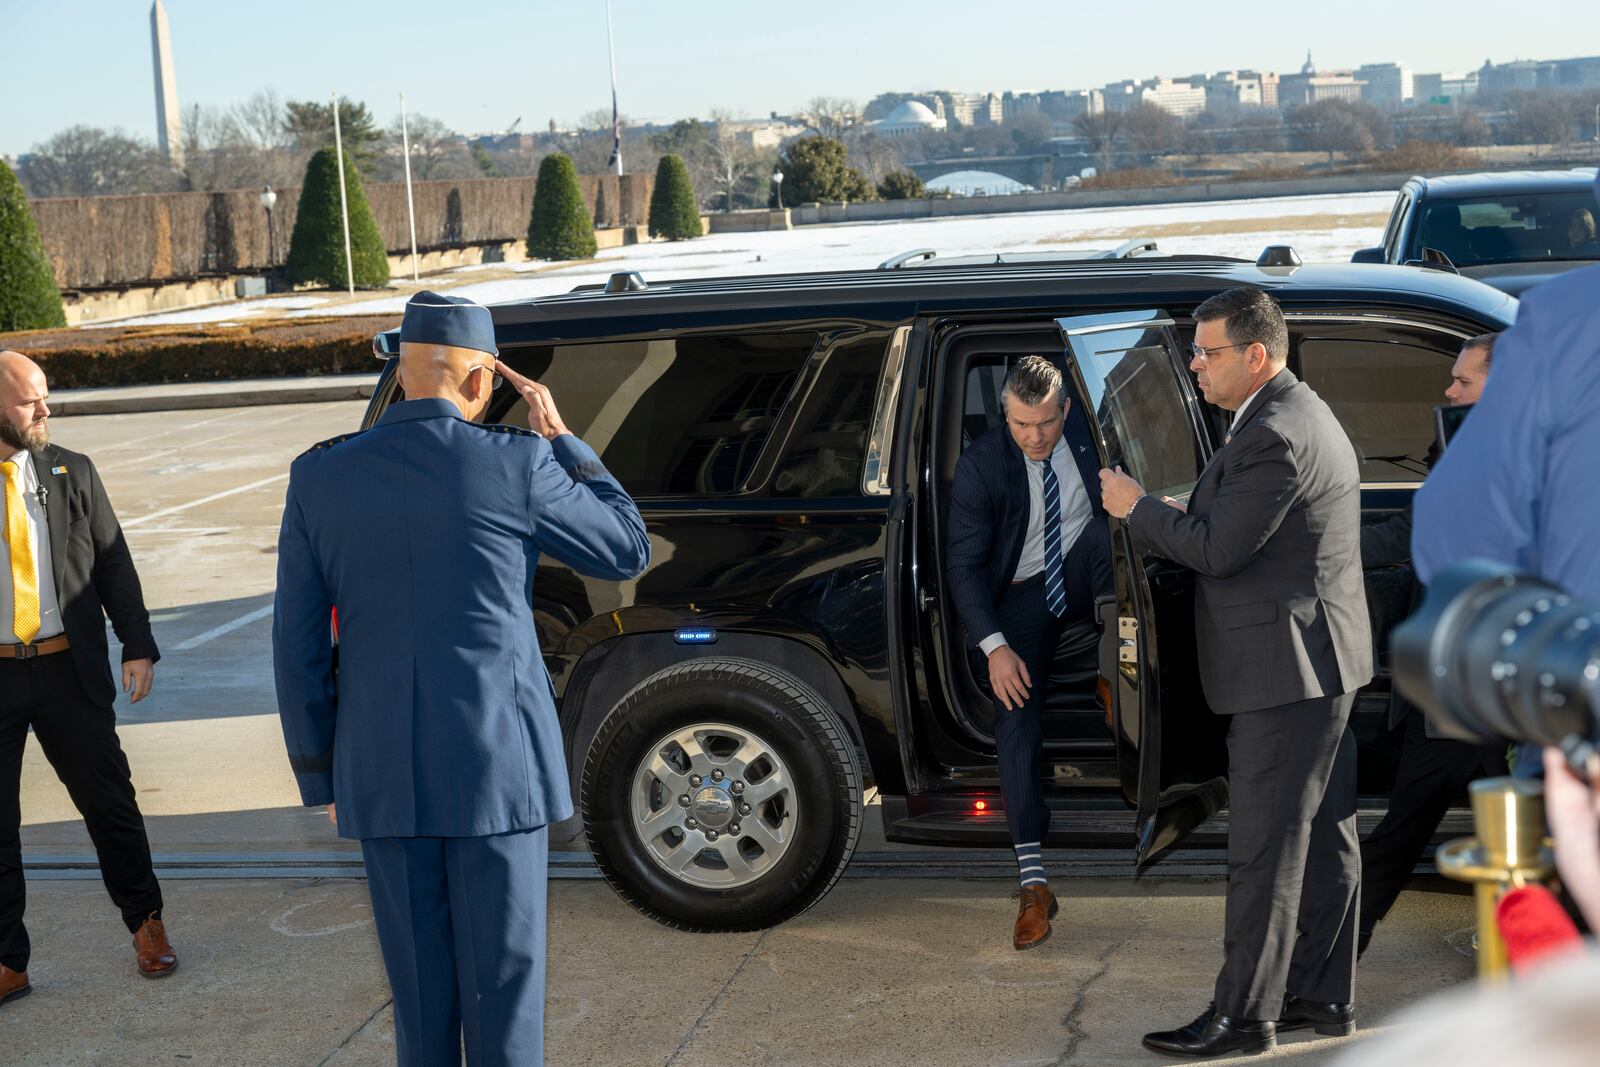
714,805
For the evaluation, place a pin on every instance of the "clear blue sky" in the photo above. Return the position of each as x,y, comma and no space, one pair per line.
479,64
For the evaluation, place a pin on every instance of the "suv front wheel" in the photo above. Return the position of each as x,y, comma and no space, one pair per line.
722,794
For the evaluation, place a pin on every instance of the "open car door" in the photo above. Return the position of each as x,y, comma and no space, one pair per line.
1171,750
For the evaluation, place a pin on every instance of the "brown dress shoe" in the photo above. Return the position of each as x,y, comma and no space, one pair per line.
1036,908
13,984
156,958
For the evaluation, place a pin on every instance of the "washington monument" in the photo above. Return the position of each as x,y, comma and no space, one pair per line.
169,121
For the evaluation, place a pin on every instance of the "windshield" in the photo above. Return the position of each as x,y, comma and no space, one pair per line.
1521,228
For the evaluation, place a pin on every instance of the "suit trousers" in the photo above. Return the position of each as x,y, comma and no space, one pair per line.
1294,863
79,738
1033,633
1433,772
461,922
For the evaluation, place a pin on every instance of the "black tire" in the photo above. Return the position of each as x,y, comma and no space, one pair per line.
801,730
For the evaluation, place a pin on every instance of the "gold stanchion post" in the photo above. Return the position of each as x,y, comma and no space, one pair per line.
1510,850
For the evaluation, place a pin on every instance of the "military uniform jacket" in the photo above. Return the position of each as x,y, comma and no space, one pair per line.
424,531
1273,534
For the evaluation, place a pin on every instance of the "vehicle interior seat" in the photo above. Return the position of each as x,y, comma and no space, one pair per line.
1442,230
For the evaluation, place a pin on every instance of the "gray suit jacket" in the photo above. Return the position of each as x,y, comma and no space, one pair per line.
1273,534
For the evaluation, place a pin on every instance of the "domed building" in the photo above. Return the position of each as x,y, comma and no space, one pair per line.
911,117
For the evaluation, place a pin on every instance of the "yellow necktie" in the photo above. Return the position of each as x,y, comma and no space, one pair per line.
24,575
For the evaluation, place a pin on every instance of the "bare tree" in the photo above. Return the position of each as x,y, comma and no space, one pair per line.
1102,130
86,161
437,152
729,152
1338,126
832,116
875,157
1151,130
1538,117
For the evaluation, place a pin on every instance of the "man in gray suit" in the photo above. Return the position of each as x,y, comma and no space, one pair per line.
1273,534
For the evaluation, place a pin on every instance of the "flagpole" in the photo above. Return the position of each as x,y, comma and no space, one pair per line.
411,208
616,128
344,204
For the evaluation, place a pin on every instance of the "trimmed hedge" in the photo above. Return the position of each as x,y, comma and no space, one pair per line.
560,226
151,355
316,251
673,212
28,296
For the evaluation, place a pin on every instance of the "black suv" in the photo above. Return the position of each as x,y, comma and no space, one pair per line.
1512,229
791,441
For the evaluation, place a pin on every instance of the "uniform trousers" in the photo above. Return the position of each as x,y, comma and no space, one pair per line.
1294,862
461,922
1033,633
79,738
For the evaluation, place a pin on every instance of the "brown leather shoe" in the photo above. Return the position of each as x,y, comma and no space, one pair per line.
156,958
1037,906
13,984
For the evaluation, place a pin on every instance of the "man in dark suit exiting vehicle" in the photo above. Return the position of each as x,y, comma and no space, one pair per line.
1273,534
64,568
1028,553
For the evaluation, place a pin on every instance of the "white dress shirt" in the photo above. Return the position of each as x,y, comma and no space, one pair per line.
1237,415
1076,512
39,538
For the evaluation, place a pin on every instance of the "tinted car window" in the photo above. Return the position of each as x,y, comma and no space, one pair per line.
824,453
1383,392
1141,411
1510,229
675,416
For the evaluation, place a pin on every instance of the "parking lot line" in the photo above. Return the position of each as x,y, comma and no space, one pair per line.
205,500
225,628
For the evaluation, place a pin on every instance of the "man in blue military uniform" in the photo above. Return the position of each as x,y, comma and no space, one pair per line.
1517,483
438,736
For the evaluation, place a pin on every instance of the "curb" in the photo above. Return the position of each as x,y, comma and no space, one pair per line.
63,404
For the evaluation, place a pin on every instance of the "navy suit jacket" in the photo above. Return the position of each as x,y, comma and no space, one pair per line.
989,521
425,531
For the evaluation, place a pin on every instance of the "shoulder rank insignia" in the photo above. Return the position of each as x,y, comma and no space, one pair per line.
500,427
330,442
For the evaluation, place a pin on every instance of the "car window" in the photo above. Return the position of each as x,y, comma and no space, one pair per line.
672,416
823,455
1140,407
1510,229
1383,391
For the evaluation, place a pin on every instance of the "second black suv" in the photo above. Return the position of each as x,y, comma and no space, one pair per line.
1511,229
791,442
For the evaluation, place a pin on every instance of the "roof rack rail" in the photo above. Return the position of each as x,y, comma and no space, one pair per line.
896,262
1128,249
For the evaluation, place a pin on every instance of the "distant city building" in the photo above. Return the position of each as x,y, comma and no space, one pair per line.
1580,73
1177,97
1389,85
1230,90
909,119
766,133
169,119
1523,74
1059,106
1445,88
970,109
1311,86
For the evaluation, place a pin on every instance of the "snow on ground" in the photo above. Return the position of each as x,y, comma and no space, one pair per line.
1321,228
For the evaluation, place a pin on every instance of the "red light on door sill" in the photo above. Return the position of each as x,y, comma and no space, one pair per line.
980,805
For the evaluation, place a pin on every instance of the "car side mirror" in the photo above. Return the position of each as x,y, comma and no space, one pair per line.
1367,255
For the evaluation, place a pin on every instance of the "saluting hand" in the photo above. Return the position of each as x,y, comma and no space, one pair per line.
543,418
138,675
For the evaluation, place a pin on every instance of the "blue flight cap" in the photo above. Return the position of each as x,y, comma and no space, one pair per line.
435,319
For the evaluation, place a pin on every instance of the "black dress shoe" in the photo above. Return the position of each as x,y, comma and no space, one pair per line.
1329,1020
1213,1034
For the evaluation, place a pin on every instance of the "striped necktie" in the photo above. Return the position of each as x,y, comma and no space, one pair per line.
1055,586
19,549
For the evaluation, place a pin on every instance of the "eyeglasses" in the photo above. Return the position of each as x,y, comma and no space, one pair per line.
494,374
1196,352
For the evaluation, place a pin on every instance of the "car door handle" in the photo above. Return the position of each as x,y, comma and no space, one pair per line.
925,599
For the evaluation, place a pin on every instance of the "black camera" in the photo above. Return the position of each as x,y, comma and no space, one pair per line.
1495,654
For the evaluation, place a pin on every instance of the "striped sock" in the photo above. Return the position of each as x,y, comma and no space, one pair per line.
1030,864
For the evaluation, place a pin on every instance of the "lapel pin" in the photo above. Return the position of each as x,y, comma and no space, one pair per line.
58,470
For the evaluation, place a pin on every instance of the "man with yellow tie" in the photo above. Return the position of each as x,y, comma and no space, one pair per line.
65,567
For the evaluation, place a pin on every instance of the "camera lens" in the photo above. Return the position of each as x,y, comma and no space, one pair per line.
1495,654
